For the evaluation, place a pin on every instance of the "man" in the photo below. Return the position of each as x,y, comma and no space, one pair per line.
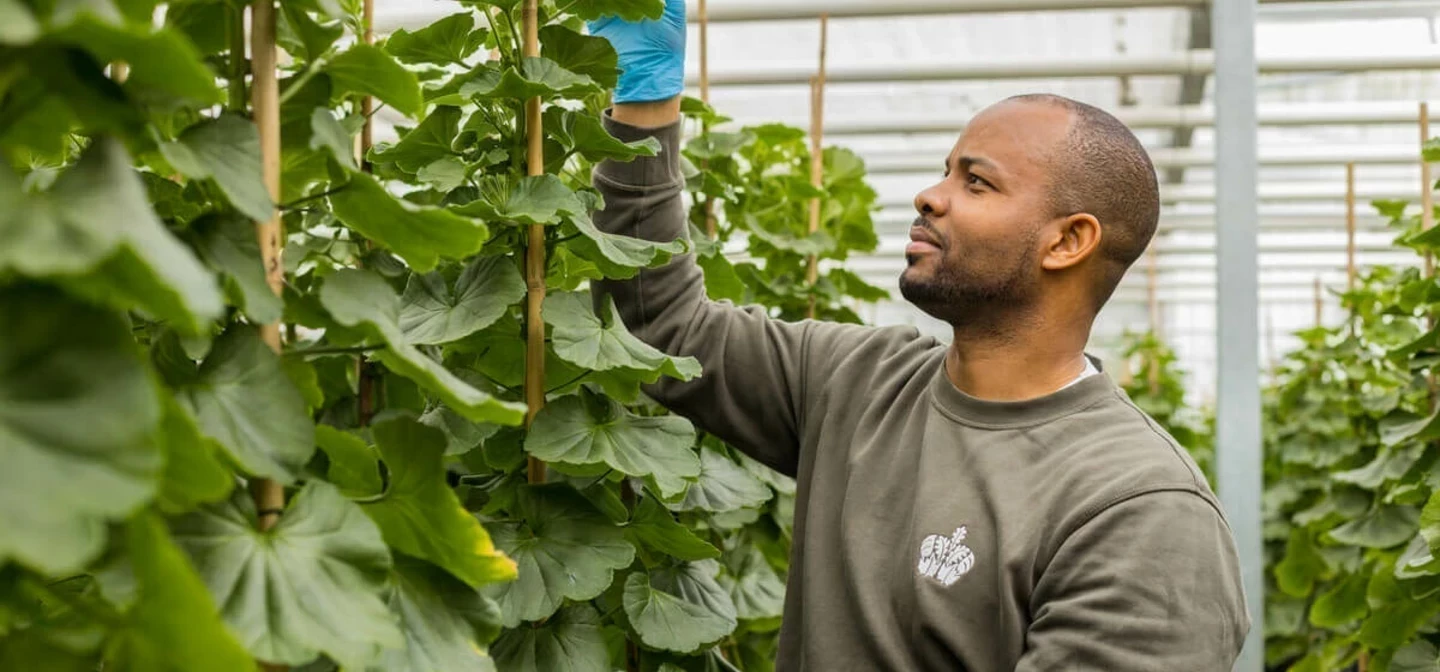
992,505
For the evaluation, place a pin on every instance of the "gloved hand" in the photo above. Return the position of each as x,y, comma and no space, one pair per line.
652,54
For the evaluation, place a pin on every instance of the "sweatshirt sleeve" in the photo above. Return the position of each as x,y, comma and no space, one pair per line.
752,390
1150,583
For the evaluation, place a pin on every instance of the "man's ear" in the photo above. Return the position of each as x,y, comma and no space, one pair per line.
1077,239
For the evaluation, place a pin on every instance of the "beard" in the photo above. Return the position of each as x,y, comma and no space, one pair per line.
976,297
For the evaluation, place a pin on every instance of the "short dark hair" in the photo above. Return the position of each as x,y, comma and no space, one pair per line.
1103,170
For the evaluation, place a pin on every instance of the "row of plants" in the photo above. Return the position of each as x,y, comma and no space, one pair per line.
1352,477
1153,379
433,515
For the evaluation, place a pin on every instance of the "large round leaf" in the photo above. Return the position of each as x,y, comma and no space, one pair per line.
1343,603
367,69
589,430
226,148
583,339
1418,656
445,623
433,139
361,298
656,528
570,642
566,549
228,243
445,42
95,231
1301,566
723,486
1382,527
679,608
536,76
193,473
539,199
77,417
432,313
754,587
242,398
420,515
313,584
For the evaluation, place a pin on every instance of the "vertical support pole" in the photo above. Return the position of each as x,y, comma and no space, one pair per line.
1350,227
367,105
365,374
711,230
1427,185
1152,290
1238,441
1319,303
817,150
534,252
265,106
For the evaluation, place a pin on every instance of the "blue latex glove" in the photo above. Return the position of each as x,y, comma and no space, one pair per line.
652,54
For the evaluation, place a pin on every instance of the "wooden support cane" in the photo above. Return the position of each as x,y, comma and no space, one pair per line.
534,252
817,152
1319,303
1350,227
1427,185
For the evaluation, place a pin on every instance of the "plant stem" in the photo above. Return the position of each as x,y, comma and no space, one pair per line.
305,352
568,383
534,251
287,207
311,69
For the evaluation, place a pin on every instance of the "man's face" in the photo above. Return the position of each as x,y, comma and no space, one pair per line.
974,250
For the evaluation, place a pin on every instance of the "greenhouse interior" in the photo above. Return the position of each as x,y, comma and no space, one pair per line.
667,336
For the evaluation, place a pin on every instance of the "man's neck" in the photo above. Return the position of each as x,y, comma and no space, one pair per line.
1014,369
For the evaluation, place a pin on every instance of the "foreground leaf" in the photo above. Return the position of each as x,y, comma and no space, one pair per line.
227,149
77,413
450,40
723,485
597,431
419,235
444,622
94,231
486,289
369,70
565,548
311,585
242,398
536,76
654,527
420,515
572,641
160,60
679,609
1418,656
194,473
229,244
355,298
174,625
584,340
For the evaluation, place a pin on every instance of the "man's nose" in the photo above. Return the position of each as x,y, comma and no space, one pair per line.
930,203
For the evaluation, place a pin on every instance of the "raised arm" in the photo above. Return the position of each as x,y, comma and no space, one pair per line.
752,391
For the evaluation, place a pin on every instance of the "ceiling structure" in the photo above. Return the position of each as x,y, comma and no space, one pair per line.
1340,81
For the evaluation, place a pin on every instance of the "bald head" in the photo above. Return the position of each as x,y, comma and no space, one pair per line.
1102,169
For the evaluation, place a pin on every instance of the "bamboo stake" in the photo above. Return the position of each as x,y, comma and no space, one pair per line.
817,150
1319,303
1152,289
1350,227
711,229
534,252
365,372
367,104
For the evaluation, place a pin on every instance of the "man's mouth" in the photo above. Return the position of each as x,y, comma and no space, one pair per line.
921,240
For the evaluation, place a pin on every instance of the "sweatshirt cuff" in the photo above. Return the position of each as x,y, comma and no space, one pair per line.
646,171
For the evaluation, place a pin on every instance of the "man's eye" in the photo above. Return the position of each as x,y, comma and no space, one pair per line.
976,180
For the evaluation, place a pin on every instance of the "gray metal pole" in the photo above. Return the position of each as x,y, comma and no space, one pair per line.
1239,461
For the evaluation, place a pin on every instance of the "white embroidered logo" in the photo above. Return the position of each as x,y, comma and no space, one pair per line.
946,559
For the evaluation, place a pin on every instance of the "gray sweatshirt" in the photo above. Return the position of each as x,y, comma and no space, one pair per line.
934,530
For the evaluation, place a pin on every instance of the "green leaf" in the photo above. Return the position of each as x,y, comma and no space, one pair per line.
654,527
630,10
722,283
717,145
461,435
162,60
1389,464
77,413
444,622
427,143
618,255
540,199
754,587
586,55
313,584
680,608
355,298
536,76
174,625
581,338
572,641
1296,574
565,548
227,149
1420,655
327,133
597,431
241,398
723,485
228,243
193,473
95,232
1343,603
419,235
1382,527
449,40
1430,521
582,133
302,35
369,70
17,25
1401,426
354,465
432,313
421,516
444,174
306,379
